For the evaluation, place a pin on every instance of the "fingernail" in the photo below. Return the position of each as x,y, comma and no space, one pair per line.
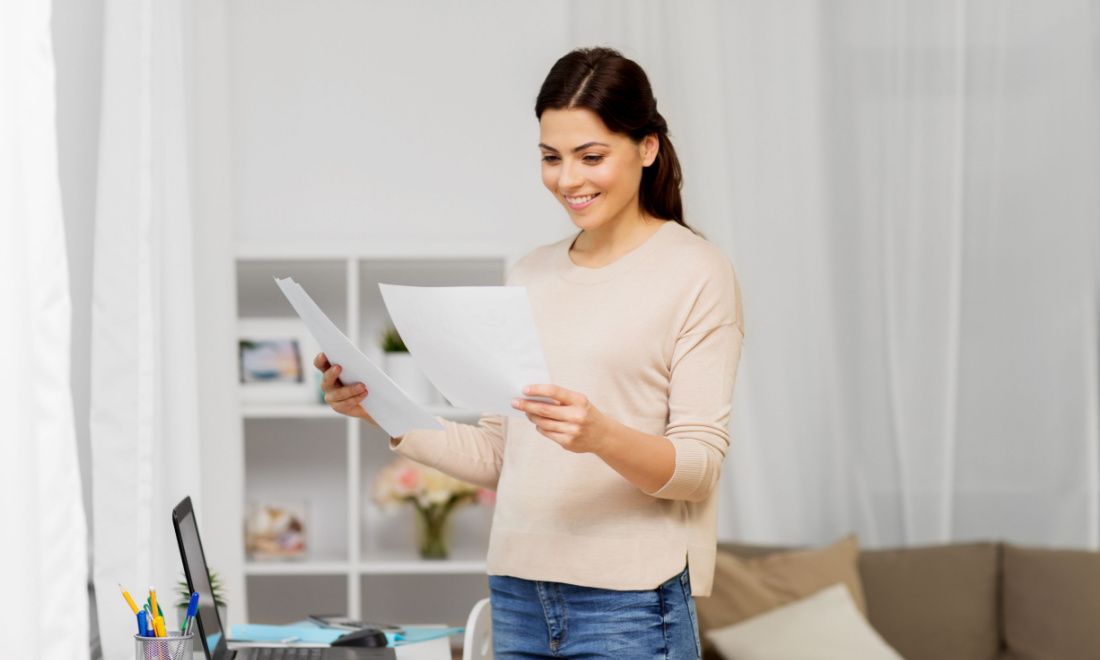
361,387
515,403
527,390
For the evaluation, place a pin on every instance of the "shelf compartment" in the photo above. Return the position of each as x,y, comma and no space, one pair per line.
296,460
308,567
288,411
421,598
283,599
373,317
391,536
323,279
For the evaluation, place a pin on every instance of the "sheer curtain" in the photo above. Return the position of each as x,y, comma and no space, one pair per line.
43,552
144,412
909,192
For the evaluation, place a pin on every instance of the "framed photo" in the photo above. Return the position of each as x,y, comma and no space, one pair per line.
277,529
275,361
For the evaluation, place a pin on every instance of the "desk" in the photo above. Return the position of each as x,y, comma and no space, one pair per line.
433,649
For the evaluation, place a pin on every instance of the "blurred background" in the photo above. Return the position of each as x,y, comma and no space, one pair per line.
909,193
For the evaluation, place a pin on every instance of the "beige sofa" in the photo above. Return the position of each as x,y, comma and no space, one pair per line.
974,601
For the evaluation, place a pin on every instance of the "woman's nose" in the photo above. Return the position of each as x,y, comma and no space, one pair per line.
570,178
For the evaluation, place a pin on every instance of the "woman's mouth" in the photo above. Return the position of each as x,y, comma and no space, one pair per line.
581,202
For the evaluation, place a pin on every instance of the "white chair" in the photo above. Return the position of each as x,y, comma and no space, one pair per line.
477,644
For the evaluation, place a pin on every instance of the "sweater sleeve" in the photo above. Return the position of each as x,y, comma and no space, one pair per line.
703,371
470,453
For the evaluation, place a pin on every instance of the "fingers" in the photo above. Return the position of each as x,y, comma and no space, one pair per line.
551,425
559,394
321,362
331,379
547,410
346,399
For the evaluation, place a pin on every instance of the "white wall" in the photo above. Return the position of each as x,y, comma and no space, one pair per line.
391,122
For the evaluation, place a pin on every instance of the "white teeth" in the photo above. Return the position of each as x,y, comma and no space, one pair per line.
580,200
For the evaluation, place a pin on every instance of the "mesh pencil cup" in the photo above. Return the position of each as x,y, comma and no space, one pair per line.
172,647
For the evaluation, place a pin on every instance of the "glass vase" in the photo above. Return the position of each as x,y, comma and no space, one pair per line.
433,531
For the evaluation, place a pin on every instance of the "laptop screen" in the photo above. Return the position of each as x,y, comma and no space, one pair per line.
198,578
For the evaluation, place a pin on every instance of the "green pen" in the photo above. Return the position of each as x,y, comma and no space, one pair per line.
149,604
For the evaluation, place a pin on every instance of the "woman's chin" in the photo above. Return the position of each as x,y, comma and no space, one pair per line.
585,222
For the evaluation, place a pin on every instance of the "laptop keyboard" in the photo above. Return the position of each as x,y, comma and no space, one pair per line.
286,653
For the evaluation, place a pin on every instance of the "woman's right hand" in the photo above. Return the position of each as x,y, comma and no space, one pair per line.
344,399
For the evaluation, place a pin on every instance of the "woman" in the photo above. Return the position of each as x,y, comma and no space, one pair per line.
606,511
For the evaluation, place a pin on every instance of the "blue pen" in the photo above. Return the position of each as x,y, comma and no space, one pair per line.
192,609
143,624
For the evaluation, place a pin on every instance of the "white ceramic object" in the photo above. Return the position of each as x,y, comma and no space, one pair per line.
402,369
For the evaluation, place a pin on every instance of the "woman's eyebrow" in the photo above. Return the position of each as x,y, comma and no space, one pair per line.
575,149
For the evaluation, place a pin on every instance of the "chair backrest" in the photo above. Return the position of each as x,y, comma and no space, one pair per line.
478,641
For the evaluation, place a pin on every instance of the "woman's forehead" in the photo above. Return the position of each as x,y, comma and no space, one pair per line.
566,129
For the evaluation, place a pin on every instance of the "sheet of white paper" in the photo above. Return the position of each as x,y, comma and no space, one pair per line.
386,402
477,344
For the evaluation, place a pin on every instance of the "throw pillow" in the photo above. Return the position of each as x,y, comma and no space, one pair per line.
747,587
824,626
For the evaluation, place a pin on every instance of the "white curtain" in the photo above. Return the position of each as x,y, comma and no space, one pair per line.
144,400
909,191
43,554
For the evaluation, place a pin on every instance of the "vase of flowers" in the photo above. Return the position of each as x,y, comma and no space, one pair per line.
434,496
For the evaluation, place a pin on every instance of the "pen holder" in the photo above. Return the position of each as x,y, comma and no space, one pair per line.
173,647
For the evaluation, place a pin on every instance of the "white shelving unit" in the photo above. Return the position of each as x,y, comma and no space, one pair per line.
361,560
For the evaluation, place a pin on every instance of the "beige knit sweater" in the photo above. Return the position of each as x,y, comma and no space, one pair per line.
653,340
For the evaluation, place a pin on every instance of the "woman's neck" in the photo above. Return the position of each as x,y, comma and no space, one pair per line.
595,248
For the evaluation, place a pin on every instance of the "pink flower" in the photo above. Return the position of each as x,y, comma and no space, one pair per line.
408,479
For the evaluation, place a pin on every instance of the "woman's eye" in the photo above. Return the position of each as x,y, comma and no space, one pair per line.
549,159
592,159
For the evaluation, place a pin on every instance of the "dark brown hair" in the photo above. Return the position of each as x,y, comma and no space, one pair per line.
618,91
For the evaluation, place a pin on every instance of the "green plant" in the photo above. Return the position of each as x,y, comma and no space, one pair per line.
392,342
183,594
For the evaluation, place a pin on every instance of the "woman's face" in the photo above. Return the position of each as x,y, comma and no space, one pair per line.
593,172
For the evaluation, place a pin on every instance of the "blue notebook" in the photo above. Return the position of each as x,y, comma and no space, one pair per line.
307,632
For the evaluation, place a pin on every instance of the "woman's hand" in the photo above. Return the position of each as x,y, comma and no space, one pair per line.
572,422
344,399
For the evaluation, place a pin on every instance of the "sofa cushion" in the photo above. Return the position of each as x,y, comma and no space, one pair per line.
937,602
747,587
1051,603
824,626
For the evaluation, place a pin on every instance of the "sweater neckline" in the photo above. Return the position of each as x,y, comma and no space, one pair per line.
571,272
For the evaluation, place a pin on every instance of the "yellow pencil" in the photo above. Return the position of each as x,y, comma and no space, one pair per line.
129,600
161,631
153,601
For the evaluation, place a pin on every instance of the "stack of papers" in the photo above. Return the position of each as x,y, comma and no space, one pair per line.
386,403
477,344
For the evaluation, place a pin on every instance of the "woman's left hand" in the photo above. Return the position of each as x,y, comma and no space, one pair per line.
572,422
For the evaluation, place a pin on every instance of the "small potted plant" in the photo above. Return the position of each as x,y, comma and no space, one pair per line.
434,495
183,598
403,370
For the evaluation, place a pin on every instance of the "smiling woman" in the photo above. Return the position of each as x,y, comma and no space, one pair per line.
606,488
616,93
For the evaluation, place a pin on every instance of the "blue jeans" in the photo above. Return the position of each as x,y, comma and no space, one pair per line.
554,620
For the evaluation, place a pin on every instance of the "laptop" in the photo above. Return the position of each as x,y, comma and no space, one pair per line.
210,628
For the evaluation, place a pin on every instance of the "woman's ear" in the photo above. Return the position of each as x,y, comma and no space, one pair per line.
649,147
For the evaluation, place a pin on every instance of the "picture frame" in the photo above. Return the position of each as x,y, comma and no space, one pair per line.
275,361
277,529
